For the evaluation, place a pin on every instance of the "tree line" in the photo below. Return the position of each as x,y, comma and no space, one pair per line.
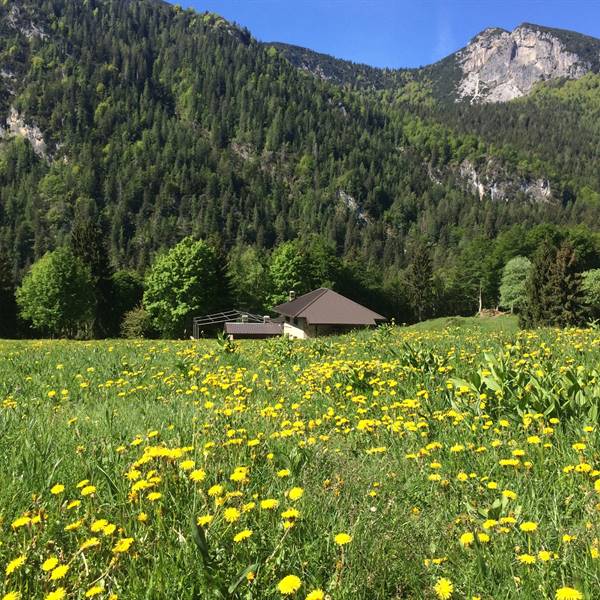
548,275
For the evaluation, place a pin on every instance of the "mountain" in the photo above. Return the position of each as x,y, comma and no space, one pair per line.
159,122
496,65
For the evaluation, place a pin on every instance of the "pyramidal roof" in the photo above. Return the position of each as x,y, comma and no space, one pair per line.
326,307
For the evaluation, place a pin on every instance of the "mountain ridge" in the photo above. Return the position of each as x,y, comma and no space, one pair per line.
462,75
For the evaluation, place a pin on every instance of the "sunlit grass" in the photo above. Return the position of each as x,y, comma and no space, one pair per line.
375,465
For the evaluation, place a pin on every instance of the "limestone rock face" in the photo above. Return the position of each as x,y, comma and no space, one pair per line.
499,65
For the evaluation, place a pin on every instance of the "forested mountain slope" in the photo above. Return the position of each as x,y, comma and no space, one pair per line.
163,123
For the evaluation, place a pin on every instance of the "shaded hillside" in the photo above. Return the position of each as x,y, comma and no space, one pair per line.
166,122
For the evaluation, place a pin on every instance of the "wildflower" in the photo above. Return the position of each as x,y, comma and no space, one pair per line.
242,535
443,588
59,572
142,517
15,564
122,545
568,593
231,515
283,473
204,520
295,493
509,494
289,585
57,489
526,559
94,591
153,496
89,543
342,538
269,504
528,527
316,595
12,596
58,594
290,513
544,555
20,522
98,525
215,490
198,475
186,465
88,490
466,539
49,564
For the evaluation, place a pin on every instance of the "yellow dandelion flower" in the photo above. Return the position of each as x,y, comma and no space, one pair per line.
289,585
142,517
12,596
20,522
57,594
316,595
89,543
568,593
283,473
342,538
526,559
49,564
98,525
269,504
466,539
122,545
204,520
231,515
295,493
197,475
15,564
528,527
88,490
94,591
443,588
242,535
154,496
59,488
59,572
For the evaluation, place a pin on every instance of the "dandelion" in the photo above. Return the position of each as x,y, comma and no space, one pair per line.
58,594
49,564
295,493
568,593
98,525
215,490
231,515
59,572
20,522
466,539
57,489
526,559
242,535
12,596
154,496
342,538
316,595
528,527
88,490
15,564
289,585
89,543
269,504
443,588
94,591
204,520
122,545
197,475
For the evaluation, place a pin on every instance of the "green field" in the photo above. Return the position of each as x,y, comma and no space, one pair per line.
461,459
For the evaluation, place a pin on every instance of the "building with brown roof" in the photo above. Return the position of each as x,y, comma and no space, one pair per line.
324,311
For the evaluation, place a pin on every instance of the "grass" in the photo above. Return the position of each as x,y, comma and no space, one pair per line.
429,447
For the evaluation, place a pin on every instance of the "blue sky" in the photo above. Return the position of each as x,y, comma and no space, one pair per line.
395,33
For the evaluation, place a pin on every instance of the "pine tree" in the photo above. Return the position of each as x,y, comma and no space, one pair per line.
419,280
87,244
8,304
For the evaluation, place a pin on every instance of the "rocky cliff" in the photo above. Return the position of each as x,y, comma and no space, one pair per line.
498,65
